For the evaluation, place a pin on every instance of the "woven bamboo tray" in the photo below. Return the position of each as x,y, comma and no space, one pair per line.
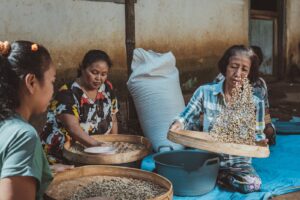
118,158
103,170
204,141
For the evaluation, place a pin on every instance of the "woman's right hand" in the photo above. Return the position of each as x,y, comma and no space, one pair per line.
72,125
176,126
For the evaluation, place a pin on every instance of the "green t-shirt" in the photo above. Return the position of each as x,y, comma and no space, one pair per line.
21,153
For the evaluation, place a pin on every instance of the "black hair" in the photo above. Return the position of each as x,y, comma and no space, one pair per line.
93,56
235,50
23,58
257,50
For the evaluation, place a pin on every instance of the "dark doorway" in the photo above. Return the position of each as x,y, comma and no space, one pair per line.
267,30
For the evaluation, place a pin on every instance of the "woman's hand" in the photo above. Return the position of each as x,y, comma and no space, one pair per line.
102,144
18,187
270,134
56,168
263,142
72,125
176,126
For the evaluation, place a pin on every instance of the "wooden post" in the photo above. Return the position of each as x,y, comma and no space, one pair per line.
132,120
282,52
130,32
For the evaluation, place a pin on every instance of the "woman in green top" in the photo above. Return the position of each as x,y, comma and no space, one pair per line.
26,87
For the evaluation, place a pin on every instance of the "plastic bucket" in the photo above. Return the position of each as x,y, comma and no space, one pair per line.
191,172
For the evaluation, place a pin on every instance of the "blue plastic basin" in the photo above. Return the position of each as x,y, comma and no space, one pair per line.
191,172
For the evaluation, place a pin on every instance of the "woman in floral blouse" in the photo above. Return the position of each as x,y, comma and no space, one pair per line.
82,108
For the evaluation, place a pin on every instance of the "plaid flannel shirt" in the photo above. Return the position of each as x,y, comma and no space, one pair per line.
259,88
209,100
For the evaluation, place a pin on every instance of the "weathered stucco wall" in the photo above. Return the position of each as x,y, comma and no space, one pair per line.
68,28
293,36
196,31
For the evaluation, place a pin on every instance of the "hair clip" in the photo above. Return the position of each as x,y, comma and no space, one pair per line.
34,47
4,47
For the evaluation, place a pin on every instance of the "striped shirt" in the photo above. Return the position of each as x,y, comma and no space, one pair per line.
209,100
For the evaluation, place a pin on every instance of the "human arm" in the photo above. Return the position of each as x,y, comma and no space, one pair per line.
72,125
260,137
114,128
270,133
114,109
23,162
18,187
66,108
177,125
189,117
269,130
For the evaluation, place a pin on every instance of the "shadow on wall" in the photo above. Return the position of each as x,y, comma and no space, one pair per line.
194,73
294,67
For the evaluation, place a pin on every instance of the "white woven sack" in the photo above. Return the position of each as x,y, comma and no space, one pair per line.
155,88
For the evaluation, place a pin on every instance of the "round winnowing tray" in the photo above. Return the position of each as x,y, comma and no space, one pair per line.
79,179
90,158
204,141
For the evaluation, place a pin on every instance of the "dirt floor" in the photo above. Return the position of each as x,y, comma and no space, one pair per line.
284,100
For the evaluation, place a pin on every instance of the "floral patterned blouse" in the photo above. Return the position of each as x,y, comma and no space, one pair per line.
94,116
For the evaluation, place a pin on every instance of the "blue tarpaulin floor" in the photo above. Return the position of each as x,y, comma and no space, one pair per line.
280,172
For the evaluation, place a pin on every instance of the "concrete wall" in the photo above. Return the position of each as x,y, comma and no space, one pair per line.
67,28
293,34
196,31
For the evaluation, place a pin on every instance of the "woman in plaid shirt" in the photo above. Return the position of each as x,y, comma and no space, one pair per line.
260,90
238,62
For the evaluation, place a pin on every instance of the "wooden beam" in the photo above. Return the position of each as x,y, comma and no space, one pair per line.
130,32
132,119
282,54
113,1
262,14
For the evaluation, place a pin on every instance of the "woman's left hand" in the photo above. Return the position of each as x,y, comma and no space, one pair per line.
103,144
56,168
263,142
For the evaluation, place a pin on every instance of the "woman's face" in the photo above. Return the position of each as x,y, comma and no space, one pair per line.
94,75
237,69
44,90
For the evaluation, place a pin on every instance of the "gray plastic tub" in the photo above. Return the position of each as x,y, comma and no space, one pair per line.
191,172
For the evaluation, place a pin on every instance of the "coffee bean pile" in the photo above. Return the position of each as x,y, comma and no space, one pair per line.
108,187
237,121
125,147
